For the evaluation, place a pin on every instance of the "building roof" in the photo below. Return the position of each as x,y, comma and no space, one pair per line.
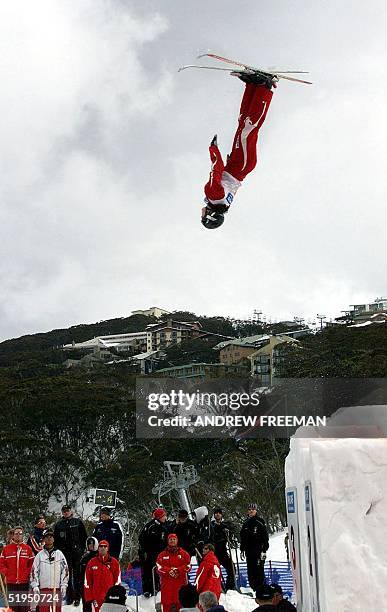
107,341
146,355
247,341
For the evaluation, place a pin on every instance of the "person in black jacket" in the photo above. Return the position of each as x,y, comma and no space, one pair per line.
70,537
265,597
220,535
91,552
254,544
283,605
35,539
110,530
152,540
186,531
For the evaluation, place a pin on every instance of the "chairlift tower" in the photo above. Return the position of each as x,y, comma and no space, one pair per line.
179,478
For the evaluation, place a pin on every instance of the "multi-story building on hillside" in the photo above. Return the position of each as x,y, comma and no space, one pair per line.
363,314
263,351
266,362
235,350
162,335
155,337
358,310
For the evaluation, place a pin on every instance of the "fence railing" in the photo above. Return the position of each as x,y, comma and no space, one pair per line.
278,572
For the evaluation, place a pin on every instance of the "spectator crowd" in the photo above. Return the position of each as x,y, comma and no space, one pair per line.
62,564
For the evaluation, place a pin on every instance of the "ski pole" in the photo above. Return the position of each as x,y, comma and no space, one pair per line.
154,582
131,590
238,569
232,563
4,591
54,588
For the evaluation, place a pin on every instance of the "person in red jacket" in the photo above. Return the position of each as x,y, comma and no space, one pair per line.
225,180
208,576
16,560
102,572
173,565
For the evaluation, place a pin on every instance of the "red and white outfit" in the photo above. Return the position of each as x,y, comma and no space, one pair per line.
101,574
225,180
15,563
49,574
208,576
177,559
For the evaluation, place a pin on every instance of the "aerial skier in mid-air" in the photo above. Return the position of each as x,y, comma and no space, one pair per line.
225,180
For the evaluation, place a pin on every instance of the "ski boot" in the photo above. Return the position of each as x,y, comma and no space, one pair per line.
257,78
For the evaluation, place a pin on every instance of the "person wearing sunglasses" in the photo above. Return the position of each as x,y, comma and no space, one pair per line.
15,564
102,572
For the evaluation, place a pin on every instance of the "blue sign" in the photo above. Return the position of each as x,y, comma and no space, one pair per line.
290,502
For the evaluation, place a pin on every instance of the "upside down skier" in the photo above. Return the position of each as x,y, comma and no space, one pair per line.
225,180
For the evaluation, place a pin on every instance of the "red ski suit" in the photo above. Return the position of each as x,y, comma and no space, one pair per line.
101,573
15,563
172,559
225,180
208,576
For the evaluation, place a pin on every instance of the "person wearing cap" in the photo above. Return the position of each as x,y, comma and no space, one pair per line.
35,539
283,605
109,529
70,537
254,544
265,597
151,541
102,572
49,573
15,564
208,576
115,600
186,531
221,535
173,565
91,552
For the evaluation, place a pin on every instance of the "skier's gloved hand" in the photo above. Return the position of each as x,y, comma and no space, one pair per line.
263,556
36,590
214,141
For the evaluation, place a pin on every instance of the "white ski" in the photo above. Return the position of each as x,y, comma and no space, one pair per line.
283,74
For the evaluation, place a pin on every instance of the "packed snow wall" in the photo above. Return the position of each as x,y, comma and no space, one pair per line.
337,513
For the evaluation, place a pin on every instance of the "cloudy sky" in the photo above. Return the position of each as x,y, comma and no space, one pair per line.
103,154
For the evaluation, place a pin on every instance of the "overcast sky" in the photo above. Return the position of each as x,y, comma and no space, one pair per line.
104,154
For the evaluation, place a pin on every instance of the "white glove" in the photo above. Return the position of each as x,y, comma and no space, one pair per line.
263,556
36,590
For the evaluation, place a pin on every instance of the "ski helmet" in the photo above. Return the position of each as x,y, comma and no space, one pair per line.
212,218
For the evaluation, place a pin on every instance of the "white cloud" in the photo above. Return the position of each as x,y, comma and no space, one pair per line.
103,158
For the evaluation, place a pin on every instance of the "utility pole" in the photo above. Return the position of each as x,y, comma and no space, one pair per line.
298,320
257,315
321,319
